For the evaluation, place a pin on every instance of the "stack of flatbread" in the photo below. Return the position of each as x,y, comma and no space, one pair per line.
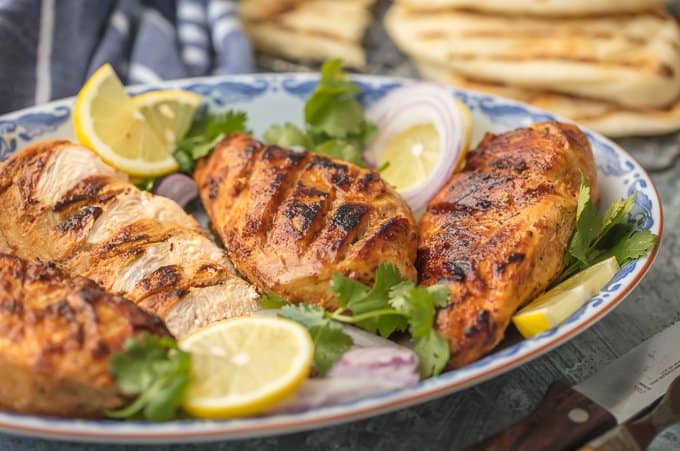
308,30
612,65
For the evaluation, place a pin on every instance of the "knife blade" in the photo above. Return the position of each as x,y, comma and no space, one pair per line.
567,418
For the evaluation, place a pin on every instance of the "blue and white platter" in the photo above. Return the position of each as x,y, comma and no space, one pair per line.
278,98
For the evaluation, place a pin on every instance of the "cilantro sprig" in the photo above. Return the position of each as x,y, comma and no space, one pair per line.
156,371
600,237
205,133
392,304
334,119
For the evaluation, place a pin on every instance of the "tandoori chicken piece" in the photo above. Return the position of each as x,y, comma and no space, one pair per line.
289,220
497,233
61,203
57,335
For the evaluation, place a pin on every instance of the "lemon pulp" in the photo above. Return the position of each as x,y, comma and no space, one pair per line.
169,113
412,155
245,365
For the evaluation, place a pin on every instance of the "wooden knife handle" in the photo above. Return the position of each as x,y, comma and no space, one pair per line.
564,420
639,434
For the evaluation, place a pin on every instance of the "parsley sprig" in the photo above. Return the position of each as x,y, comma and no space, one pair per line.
392,304
156,371
205,133
600,237
334,119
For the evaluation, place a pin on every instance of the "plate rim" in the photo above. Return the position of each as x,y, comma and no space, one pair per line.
177,431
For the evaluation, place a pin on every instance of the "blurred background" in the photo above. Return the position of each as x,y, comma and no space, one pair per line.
611,65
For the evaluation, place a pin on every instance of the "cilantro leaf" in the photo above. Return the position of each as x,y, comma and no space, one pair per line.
440,295
395,303
433,352
156,371
332,86
616,213
391,304
146,184
347,291
184,158
210,126
341,150
286,135
205,133
418,306
359,299
599,237
330,341
334,119
588,224
273,301
309,315
386,276
633,246
345,118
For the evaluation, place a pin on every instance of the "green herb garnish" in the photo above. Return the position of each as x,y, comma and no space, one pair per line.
146,184
392,304
334,119
600,237
206,132
156,371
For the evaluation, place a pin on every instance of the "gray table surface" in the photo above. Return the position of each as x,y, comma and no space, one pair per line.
459,419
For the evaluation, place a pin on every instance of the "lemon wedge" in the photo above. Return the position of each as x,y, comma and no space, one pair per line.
169,113
107,121
245,365
559,303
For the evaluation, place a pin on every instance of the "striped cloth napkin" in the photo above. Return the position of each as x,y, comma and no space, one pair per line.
50,47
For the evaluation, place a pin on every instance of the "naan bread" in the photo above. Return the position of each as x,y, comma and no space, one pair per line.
633,60
555,8
607,118
308,30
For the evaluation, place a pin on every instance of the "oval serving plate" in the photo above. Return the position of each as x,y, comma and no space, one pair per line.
278,98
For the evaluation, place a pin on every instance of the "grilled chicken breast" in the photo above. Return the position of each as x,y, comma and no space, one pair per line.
57,335
289,220
61,203
497,233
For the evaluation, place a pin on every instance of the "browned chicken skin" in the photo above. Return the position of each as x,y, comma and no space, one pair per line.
61,203
57,335
497,233
289,220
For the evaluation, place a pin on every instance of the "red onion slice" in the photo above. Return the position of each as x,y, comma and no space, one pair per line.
411,105
393,363
178,187
361,372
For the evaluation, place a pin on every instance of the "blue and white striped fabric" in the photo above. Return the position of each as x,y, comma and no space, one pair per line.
48,48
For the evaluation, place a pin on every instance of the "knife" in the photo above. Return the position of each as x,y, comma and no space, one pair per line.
567,418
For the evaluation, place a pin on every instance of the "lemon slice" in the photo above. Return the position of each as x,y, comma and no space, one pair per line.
559,303
107,121
414,153
169,113
411,155
245,365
